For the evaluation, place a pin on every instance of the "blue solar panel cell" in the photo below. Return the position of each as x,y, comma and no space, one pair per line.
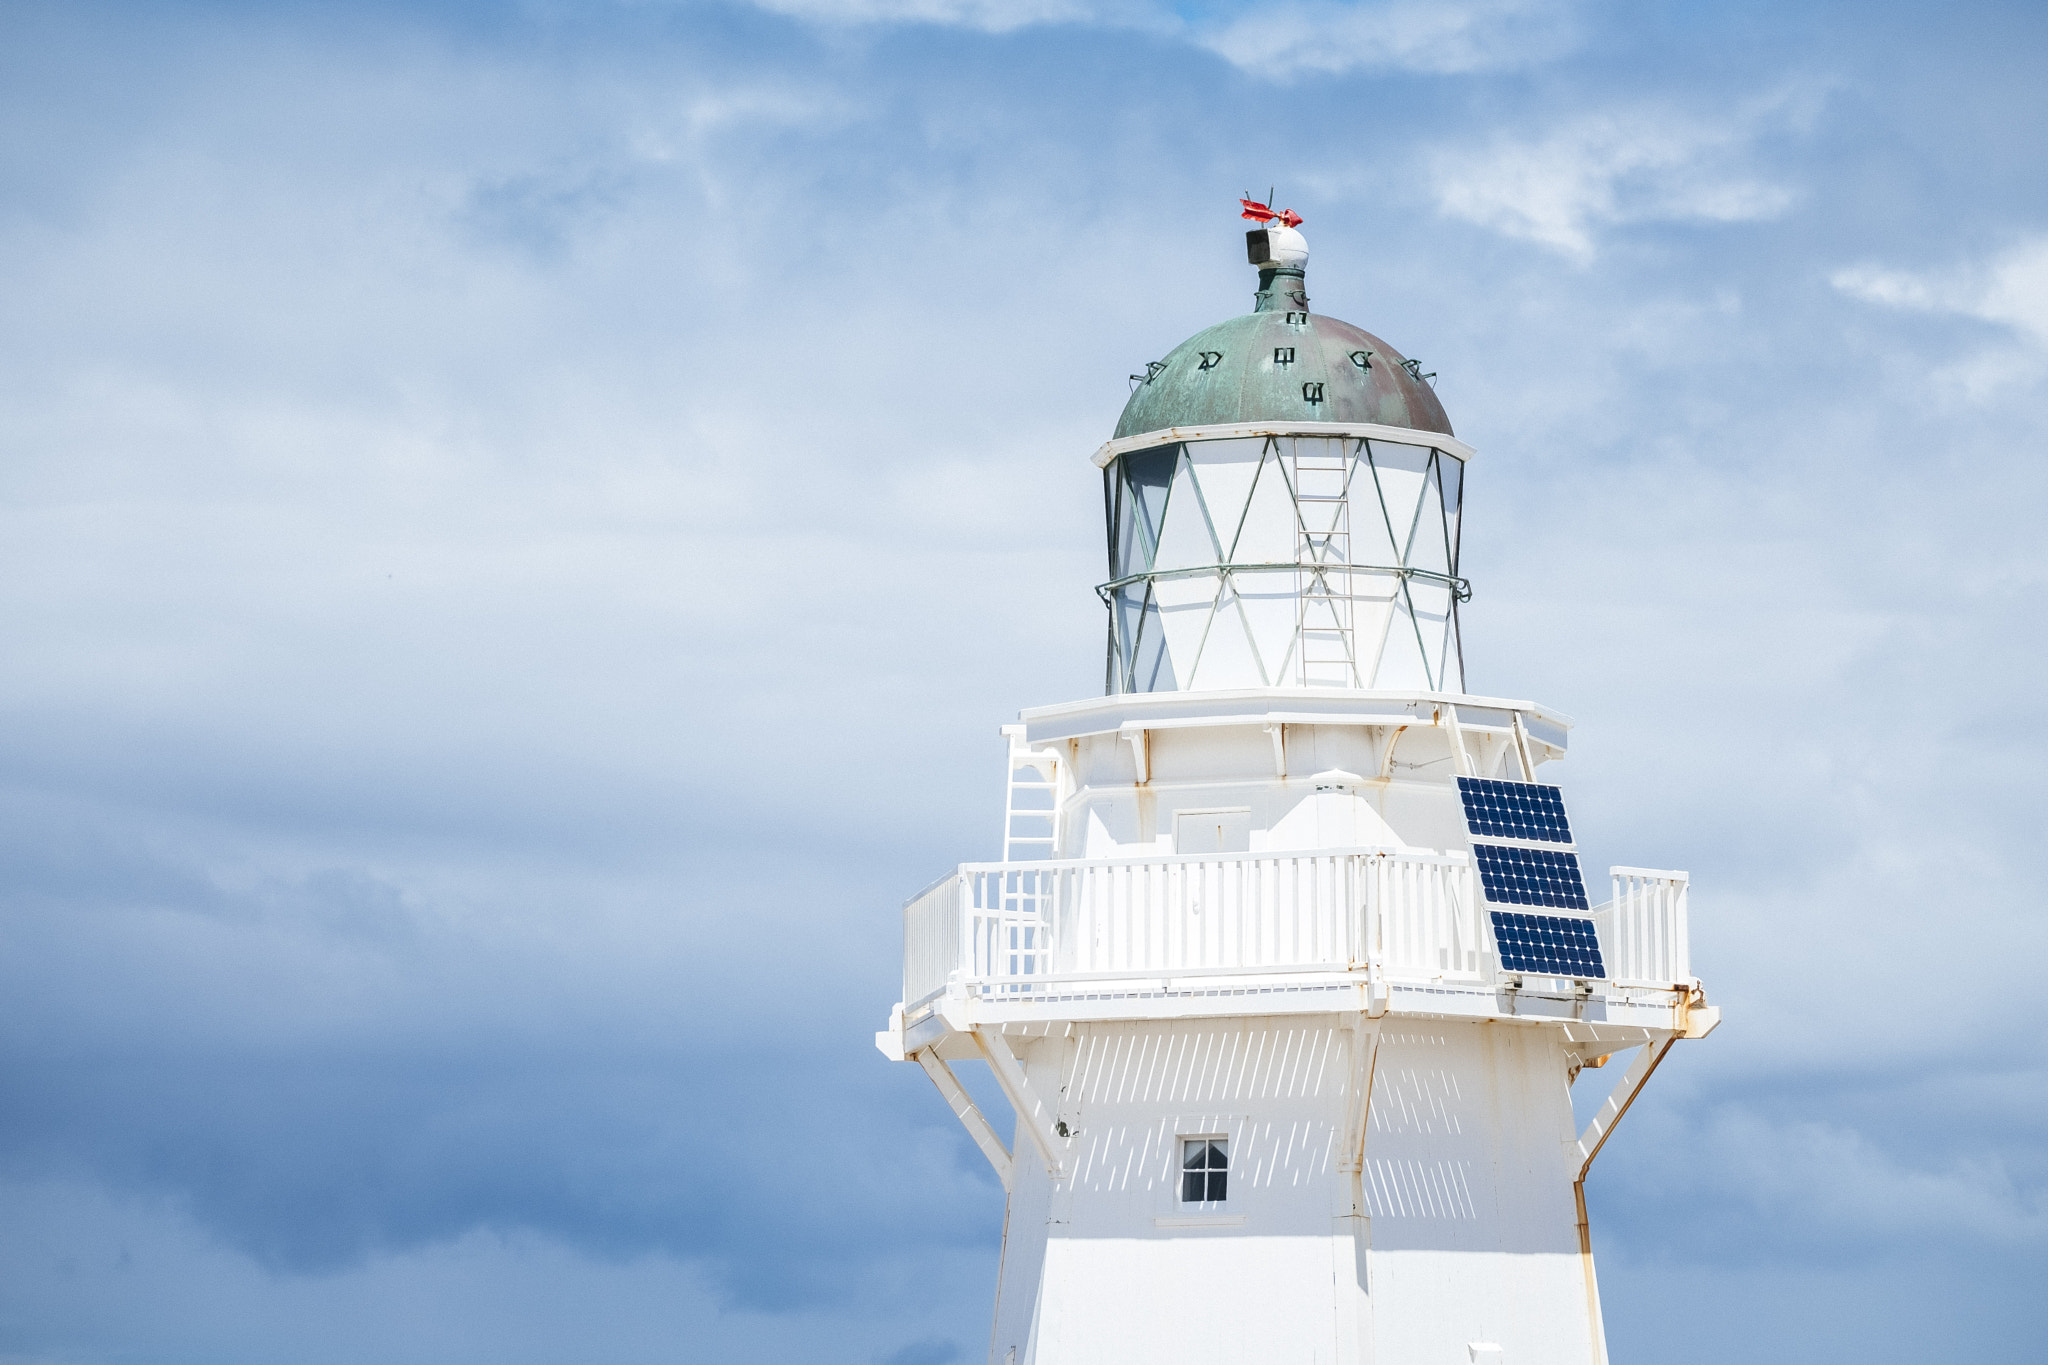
1514,810
1531,876
1547,943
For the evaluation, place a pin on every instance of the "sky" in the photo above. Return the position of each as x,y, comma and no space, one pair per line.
519,523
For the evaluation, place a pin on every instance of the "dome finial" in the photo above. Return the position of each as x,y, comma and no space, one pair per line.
1281,362
1259,213
1274,246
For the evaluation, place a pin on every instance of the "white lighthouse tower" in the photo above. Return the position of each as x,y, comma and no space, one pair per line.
1289,967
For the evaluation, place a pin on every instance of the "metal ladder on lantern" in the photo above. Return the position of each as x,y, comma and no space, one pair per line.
1322,504
1023,935
1040,837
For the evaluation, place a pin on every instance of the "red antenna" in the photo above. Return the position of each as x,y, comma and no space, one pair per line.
1259,213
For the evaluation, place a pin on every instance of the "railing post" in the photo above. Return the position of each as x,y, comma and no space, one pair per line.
1681,930
1372,910
1628,901
971,922
1618,925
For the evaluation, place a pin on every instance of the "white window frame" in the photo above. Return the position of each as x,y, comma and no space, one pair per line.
1234,1129
1182,1141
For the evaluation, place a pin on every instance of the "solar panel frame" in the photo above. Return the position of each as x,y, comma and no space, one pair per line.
1497,809
1555,945
1545,877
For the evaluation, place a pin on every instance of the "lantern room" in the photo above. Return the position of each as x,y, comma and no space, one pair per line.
1283,497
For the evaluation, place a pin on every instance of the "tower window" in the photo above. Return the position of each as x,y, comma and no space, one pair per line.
1204,1170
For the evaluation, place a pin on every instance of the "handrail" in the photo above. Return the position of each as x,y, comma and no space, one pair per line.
1455,858
1170,974
1461,588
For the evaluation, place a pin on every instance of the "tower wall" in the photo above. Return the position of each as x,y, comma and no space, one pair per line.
1461,1227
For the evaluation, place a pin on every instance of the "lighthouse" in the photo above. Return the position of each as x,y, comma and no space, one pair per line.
1289,969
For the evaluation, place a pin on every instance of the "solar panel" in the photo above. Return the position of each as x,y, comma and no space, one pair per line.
1531,876
1514,810
1547,943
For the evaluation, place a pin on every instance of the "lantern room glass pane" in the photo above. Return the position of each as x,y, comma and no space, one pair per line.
1151,664
1226,471
1451,478
1148,477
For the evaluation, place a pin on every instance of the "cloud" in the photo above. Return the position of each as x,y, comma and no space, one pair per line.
1275,42
94,1276
1611,169
324,1069
2008,290
1818,1180
988,16
1282,41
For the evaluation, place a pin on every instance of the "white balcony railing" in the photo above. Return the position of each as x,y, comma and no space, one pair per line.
1015,928
1643,932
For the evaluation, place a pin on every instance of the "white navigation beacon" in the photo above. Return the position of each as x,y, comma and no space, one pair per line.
1290,966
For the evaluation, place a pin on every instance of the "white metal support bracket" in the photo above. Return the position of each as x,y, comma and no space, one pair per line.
1278,734
1459,758
1522,748
1135,736
971,1118
1032,1116
1365,1057
1626,1088
1392,736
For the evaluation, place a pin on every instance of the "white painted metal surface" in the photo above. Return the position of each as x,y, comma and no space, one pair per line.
1110,450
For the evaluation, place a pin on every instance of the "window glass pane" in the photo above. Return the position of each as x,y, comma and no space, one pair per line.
1151,666
1127,554
1147,475
1431,547
1399,472
1267,535
1203,1178
1451,475
1226,471
1130,608
1184,540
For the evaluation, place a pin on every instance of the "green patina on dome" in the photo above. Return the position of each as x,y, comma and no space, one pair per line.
1240,371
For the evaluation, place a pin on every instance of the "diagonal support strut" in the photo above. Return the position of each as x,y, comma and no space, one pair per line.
1031,1114
964,1108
